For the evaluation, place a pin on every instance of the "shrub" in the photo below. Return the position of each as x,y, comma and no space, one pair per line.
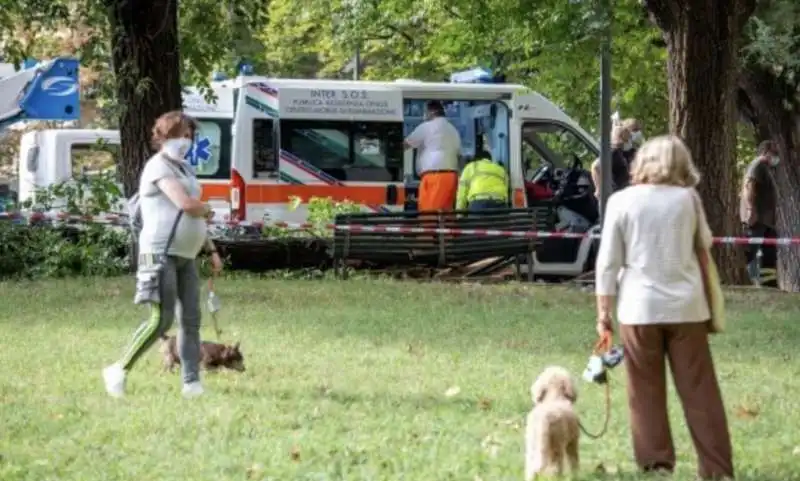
47,250
57,249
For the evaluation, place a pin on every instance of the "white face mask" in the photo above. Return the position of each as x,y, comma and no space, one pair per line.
177,149
774,161
628,145
637,137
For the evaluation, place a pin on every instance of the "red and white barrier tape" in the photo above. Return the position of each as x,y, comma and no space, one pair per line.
122,220
543,235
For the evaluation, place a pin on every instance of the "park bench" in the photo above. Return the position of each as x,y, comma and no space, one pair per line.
403,246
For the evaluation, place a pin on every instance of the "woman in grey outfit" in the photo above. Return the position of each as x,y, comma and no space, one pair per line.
173,233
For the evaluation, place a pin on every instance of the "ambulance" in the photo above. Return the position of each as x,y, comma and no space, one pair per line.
266,141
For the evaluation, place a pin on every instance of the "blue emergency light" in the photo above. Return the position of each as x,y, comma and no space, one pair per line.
244,68
477,75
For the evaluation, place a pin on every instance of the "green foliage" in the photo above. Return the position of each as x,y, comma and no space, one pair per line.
215,35
322,212
552,48
57,250
85,196
774,38
62,249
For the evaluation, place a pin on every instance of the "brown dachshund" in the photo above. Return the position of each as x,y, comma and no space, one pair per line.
212,355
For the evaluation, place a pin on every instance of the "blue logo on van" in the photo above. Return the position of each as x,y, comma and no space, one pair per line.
200,151
60,86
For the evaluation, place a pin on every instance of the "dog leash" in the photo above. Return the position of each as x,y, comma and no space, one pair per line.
214,307
602,345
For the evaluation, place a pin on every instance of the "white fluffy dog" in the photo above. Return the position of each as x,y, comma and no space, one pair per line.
552,432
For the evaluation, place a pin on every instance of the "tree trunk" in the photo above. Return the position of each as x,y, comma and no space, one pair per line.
702,38
766,108
146,59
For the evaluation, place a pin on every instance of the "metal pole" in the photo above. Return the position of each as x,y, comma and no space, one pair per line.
605,109
357,66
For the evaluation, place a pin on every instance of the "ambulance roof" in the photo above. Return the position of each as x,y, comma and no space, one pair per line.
443,90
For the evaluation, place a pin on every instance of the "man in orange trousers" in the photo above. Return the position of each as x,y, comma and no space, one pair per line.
438,145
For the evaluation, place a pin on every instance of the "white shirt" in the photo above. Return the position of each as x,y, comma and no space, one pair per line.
438,144
159,213
647,246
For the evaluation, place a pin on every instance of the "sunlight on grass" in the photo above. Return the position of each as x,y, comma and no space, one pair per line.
372,380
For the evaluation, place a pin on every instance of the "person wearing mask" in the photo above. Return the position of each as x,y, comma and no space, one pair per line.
483,185
438,145
758,205
647,265
173,231
636,140
620,139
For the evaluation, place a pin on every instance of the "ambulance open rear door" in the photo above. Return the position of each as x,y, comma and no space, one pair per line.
255,177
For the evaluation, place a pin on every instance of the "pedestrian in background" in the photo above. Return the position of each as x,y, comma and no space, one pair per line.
758,206
620,171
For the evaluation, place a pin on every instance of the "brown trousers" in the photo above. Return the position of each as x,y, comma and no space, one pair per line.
686,347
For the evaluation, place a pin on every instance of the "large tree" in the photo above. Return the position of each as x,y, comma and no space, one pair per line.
153,55
770,101
702,39
147,66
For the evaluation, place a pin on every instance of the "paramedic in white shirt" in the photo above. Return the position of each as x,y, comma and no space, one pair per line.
648,243
438,146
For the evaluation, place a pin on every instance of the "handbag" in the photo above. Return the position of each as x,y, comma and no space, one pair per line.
712,286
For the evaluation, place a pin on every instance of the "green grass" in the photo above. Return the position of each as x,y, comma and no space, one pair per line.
348,380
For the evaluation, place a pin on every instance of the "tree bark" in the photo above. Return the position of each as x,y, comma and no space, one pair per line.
702,38
764,104
146,59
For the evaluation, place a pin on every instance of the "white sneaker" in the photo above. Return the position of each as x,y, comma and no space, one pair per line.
192,389
114,378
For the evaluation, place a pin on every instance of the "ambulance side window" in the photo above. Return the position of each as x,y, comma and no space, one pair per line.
211,151
91,159
553,143
264,158
346,151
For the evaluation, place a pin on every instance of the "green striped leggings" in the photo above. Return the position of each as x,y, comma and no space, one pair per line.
179,283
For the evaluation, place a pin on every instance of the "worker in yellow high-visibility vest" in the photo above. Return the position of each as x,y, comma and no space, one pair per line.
483,184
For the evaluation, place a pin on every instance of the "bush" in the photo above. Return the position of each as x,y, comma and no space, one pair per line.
48,249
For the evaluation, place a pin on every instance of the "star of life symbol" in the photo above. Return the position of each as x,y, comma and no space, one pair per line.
200,151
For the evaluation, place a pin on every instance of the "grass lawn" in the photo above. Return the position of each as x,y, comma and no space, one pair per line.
357,380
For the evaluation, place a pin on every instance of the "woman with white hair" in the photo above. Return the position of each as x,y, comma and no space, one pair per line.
647,264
